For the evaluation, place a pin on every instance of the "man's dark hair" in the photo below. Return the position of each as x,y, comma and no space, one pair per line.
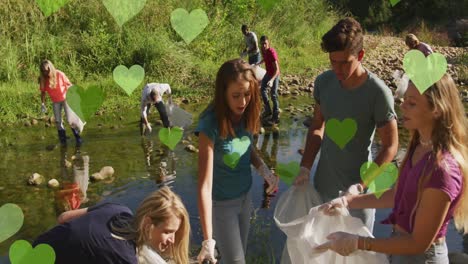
347,34
263,38
245,27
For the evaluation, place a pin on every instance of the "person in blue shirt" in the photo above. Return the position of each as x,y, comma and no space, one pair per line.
109,233
224,199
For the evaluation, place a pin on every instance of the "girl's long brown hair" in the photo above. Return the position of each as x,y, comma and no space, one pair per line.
448,134
51,77
233,71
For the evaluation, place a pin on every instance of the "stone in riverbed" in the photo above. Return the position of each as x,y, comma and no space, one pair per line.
53,183
105,173
35,179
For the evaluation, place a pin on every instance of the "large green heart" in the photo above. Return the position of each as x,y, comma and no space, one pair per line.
48,7
267,4
394,2
240,145
21,252
85,102
123,10
378,179
422,71
129,79
11,220
171,136
288,172
341,132
189,26
231,159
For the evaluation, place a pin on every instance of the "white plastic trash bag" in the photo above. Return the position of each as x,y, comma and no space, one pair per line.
178,116
309,231
74,120
259,72
401,81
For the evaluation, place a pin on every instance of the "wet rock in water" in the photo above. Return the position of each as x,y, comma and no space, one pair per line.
458,258
51,147
47,125
158,122
189,138
105,173
35,179
163,164
121,118
185,101
185,142
2,188
52,120
191,148
262,130
27,123
68,164
34,122
53,183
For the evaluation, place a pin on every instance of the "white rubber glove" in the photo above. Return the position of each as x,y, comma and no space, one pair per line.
269,177
303,176
331,207
341,242
354,189
207,251
270,83
43,108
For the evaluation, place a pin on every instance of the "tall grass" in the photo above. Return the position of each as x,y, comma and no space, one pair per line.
84,41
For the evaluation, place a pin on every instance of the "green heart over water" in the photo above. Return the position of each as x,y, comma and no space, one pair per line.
123,10
48,7
240,145
341,132
288,172
11,220
422,71
189,26
394,2
85,102
21,252
378,179
129,79
171,136
231,159
268,4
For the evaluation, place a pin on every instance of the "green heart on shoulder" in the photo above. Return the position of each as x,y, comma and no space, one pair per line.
378,179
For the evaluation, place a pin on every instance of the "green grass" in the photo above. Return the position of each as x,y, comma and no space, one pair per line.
83,40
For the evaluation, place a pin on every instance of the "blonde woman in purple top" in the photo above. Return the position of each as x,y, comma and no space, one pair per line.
431,188
413,43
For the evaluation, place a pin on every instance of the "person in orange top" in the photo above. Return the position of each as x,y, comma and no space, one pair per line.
56,84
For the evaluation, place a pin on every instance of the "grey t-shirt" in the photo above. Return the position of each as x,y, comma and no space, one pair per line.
371,105
251,41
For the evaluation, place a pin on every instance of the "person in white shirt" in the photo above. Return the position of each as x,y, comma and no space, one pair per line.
152,94
251,45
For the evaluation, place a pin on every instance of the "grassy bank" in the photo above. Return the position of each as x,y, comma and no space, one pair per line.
84,41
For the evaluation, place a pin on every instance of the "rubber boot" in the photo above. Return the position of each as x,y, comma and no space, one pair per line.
78,139
62,137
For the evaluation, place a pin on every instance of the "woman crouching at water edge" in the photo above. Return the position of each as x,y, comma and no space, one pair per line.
109,233
224,199
431,188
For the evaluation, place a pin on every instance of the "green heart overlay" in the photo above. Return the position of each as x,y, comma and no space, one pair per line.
189,26
231,159
21,252
123,10
11,220
341,132
267,4
394,2
128,79
85,102
378,179
422,71
288,172
240,145
171,136
48,7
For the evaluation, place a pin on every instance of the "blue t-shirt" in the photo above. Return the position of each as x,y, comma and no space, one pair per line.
371,106
227,183
87,239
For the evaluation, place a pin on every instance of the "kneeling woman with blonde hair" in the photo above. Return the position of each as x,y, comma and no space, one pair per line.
109,233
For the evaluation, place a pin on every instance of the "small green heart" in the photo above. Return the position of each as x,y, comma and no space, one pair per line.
189,26
123,10
85,102
231,159
378,179
422,71
129,79
341,132
11,220
288,172
240,145
267,4
48,7
171,136
21,252
394,2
